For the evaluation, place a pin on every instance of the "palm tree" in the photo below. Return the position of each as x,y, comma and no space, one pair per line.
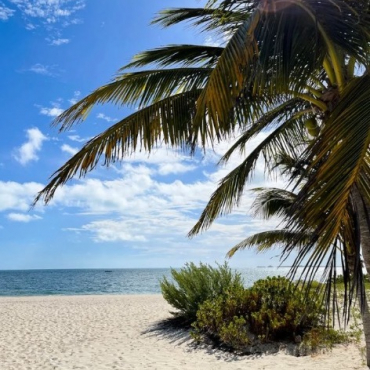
272,202
287,63
281,203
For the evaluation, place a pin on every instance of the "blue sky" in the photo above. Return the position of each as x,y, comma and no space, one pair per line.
134,214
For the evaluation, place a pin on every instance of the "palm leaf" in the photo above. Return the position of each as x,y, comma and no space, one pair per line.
140,88
267,54
268,239
208,19
230,190
271,202
267,119
168,121
184,55
344,144
227,80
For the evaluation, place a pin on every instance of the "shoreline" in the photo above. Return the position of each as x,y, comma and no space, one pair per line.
80,295
111,332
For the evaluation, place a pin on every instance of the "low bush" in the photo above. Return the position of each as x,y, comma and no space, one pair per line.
280,309
193,285
272,309
340,279
320,337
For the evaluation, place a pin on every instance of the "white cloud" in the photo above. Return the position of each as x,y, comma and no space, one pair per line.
49,11
5,13
22,217
42,69
28,151
15,196
69,149
77,138
30,26
168,168
51,111
55,110
138,208
106,118
147,209
58,42
165,161
76,95
111,231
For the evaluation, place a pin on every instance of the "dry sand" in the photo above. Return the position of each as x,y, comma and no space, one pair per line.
110,332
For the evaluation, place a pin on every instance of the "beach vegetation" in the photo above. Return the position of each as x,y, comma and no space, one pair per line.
273,309
194,284
325,338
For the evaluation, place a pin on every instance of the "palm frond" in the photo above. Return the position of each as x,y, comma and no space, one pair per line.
266,54
268,239
292,165
230,190
343,144
184,55
168,121
224,86
208,19
137,88
271,202
267,119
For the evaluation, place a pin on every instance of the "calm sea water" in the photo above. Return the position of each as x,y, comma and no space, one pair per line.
96,281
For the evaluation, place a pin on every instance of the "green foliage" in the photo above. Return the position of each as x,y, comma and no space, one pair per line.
340,279
272,309
235,334
193,285
280,309
322,337
216,313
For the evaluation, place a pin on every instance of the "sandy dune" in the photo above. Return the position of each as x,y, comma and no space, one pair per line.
108,332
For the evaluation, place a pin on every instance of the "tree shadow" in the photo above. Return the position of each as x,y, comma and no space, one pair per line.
176,331
173,329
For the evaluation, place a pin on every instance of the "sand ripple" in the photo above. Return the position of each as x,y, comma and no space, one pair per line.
107,332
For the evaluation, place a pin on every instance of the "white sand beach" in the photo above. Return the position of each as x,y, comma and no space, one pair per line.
110,332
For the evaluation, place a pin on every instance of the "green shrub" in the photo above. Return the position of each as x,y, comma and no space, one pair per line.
193,285
221,319
272,309
235,333
323,337
280,310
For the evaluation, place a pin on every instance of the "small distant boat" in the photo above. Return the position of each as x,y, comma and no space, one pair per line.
108,271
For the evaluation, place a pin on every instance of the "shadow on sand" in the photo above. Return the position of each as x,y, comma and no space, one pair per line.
173,331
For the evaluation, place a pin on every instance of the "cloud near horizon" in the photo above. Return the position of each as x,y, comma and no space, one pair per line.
147,203
140,201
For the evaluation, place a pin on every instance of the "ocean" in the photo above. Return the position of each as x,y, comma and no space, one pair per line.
100,281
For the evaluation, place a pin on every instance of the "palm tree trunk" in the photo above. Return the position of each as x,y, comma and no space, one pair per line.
363,215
